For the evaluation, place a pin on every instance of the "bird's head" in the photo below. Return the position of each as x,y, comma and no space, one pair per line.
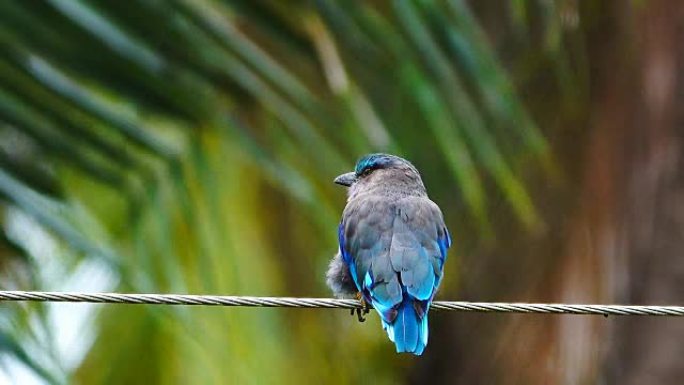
382,172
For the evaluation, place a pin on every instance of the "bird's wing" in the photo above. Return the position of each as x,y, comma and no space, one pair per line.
394,247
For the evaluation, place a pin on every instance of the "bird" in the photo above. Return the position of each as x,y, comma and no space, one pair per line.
392,247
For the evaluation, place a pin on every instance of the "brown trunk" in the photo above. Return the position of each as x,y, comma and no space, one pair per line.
618,240
651,350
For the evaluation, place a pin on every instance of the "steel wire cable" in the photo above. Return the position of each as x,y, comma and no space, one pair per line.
296,302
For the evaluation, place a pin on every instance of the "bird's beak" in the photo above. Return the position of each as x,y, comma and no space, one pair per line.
346,179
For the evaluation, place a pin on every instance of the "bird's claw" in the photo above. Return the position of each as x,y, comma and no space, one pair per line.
362,311
360,314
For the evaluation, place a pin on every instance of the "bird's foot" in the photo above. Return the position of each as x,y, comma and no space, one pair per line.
361,312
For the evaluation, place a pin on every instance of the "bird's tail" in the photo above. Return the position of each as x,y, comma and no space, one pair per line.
409,329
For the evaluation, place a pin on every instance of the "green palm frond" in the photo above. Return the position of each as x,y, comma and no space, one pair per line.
191,143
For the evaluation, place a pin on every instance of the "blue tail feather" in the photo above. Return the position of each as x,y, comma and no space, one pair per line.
408,331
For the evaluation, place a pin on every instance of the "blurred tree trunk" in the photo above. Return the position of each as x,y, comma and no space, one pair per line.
650,351
615,235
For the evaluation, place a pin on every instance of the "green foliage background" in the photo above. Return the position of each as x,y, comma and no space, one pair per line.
189,146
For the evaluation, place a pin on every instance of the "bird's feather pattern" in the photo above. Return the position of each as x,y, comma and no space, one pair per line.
396,249
393,243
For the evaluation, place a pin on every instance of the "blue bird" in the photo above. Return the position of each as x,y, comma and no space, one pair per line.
393,245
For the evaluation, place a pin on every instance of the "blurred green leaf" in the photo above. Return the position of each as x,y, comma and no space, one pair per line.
193,143
8,345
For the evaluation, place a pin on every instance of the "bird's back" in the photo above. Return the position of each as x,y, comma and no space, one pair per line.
395,247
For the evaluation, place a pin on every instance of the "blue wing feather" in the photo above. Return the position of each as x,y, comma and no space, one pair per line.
399,251
345,254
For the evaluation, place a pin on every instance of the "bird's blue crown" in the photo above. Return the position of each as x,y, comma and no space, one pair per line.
376,161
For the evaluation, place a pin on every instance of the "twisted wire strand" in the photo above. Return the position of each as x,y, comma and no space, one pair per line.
221,300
